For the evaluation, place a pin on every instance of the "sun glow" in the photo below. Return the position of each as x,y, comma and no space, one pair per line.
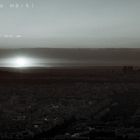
21,62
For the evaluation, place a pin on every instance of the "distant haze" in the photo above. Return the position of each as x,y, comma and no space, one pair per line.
71,24
56,57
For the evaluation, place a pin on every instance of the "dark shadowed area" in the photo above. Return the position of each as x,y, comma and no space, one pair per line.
83,94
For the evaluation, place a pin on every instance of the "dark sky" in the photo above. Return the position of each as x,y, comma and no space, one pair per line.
69,23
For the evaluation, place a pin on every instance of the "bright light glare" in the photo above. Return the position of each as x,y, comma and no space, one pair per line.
21,62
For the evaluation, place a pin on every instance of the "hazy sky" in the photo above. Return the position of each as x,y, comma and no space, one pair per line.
69,23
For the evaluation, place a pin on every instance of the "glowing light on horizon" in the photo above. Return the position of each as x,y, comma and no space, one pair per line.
21,62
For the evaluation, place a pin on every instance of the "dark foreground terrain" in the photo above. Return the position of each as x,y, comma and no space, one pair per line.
70,105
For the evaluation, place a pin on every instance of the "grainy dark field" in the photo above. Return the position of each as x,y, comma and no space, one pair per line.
70,104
